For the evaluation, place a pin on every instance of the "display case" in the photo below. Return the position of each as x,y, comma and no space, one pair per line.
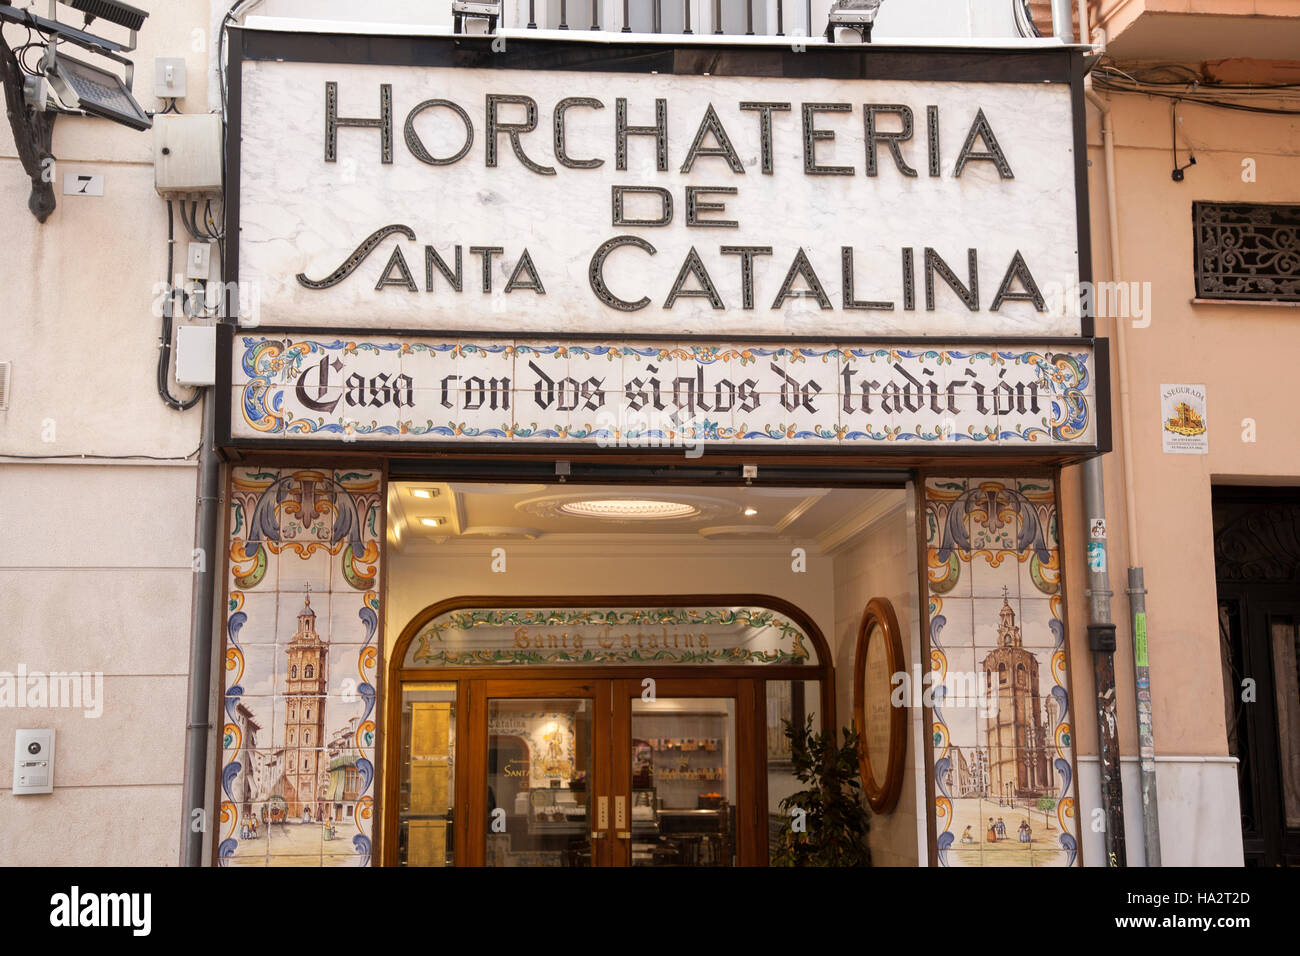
556,808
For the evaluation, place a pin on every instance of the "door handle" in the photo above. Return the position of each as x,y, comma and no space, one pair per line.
620,817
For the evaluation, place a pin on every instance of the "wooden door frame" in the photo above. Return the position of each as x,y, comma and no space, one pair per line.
482,690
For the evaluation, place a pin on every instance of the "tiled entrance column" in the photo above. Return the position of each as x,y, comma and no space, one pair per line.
301,657
1004,781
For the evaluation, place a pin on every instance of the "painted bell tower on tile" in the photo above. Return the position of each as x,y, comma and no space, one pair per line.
1017,759
304,718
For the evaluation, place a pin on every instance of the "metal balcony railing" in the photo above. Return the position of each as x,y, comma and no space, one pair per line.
700,17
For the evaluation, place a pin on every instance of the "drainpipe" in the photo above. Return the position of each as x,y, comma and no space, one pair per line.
1101,639
195,829
1136,583
1062,21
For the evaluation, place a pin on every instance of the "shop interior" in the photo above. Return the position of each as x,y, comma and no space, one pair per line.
687,753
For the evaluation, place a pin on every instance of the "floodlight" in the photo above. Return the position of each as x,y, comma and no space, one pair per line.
462,10
97,92
852,15
123,14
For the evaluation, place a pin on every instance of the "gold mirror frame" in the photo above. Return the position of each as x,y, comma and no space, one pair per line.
881,784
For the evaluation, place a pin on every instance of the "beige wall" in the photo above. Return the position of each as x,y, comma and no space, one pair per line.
96,575
1242,354
95,578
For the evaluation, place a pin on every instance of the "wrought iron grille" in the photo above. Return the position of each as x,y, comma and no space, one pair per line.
1247,251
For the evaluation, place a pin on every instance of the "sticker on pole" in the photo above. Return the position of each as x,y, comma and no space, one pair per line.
1183,427
1097,529
1097,556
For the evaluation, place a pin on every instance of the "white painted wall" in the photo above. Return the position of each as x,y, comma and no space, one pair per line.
881,564
1199,811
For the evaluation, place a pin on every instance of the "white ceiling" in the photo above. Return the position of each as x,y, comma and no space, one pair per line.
475,511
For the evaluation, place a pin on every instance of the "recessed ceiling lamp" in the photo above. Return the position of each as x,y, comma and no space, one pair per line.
750,512
629,509
431,522
424,492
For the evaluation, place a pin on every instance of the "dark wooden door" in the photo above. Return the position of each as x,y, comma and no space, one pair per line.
1257,564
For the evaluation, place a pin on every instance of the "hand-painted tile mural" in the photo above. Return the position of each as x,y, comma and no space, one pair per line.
301,656
652,395
1004,776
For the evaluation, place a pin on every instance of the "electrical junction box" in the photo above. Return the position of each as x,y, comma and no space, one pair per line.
169,77
187,155
196,355
33,762
198,260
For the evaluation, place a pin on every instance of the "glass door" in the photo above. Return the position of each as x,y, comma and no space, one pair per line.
540,773
614,773
684,773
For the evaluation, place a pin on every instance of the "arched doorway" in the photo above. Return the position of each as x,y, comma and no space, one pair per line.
595,730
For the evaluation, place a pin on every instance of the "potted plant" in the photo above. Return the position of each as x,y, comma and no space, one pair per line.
578,782
826,823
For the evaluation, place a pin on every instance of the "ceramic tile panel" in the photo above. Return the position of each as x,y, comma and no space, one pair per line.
1001,740
301,660
429,389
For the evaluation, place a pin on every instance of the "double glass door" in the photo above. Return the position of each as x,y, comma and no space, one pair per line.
611,773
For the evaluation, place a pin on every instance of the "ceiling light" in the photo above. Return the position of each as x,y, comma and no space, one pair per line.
431,522
424,492
629,509
750,512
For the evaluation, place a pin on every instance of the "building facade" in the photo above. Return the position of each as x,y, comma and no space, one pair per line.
549,363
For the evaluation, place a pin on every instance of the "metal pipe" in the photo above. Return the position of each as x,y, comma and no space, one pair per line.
532,14
627,18
196,820
749,18
1101,637
780,18
1062,21
659,16
686,6
1085,34
595,15
717,16
564,14
1136,585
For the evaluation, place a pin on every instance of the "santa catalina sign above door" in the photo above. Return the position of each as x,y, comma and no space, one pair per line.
552,202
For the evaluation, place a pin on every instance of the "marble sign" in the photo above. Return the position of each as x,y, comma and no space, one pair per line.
622,204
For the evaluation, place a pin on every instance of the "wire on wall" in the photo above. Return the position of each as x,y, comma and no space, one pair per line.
1174,81
165,339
